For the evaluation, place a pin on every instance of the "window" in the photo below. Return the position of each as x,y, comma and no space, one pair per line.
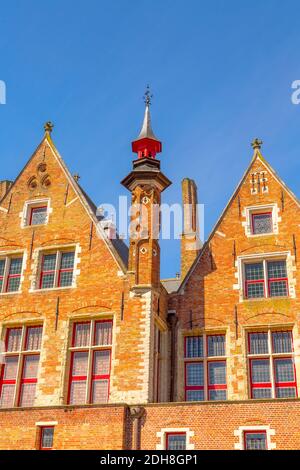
176,441
10,273
46,439
57,269
90,362
261,223
266,279
271,364
205,368
255,440
18,377
36,213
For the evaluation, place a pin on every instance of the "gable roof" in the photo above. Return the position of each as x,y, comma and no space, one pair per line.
256,156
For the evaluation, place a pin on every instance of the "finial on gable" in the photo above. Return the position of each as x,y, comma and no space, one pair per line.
256,143
147,96
48,127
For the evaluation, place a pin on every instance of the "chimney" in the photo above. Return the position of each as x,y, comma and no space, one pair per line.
190,241
4,187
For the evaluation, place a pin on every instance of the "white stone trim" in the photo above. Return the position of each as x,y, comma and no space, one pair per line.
162,436
31,203
249,210
46,423
240,434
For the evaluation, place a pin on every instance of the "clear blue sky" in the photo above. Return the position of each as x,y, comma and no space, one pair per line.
221,73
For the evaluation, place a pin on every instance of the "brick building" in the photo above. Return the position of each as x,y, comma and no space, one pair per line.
99,353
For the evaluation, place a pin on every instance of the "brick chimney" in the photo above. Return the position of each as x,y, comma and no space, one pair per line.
4,187
190,241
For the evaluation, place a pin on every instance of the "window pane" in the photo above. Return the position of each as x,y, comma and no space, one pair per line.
258,343
262,393
67,260
103,333
78,393
216,345
254,271
217,373
176,442
284,370
282,341
2,267
276,269
14,339
262,223
38,215
82,334
65,279
255,290
285,392
101,364
80,364
255,441
30,367
194,346
47,438
49,262
7,395
260,371
100,391
27,394
13,284
195,395
278,289
47,281
194,374
34,338
10,368
217,395
15,266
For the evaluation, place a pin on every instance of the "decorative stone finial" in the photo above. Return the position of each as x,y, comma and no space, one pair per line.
48,127
76,177
257,143
148,96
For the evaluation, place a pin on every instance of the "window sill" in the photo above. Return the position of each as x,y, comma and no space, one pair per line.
33,226
2,294
34,291
261,299
257,235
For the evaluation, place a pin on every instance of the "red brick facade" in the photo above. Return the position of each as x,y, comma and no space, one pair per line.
148,380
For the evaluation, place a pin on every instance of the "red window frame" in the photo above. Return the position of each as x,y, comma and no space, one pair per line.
285,384
215,386
193,387
11,276
277,279
43,273
90,349
7,381
252,222
259,431
64,270
24,380
57,270
168,434
42,428
32,209
258,385
255,281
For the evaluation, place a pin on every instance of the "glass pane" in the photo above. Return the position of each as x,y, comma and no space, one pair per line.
262,393
285,392
80,364
103,333
7,396
282,342
194,346
65,279
284,370
27,394
14,336
38,215
194,374
10,368
176,442
67,260
216,345
255,290
217,373
47,438
82,334
258,343
78,392
262,223
30,367
101,364
217,395
49,262
2,266
47,281
276,269
100,391
34,338
278,289
256,441
260,371
13,284
195,395
254,271
15,266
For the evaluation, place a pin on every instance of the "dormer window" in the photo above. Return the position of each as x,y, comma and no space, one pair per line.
261,220
35,213
261,223
38,215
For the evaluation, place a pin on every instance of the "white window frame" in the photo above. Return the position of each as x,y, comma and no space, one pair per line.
25,214
249,211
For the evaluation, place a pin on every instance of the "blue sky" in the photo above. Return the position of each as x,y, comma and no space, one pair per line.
221,73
